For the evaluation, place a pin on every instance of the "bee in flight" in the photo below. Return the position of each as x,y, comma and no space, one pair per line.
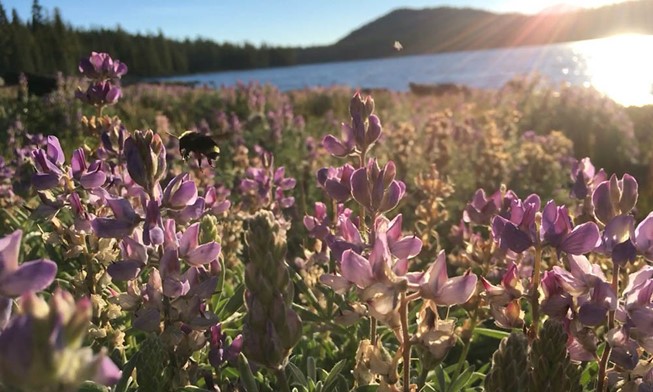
201,145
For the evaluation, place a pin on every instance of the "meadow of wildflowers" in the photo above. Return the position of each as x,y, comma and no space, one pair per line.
487,241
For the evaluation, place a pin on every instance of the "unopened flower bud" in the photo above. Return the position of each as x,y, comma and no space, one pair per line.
145,155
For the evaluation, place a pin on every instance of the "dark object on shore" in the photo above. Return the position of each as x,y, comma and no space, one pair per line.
38,85
438,89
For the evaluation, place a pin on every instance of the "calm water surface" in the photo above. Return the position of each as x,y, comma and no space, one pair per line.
620,67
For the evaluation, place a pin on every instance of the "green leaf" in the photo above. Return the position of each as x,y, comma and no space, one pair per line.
462,380
492,333
246,374
306,314
311,368
192,388
234,303
442,383
127,370
297,377
333,374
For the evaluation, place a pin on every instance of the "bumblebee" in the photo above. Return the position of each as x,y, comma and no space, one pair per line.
201,145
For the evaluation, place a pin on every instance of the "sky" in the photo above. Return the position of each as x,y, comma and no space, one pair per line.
274,22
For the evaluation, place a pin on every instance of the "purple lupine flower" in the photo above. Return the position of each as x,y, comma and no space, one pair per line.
636,314
504,298
364,131
89,177
355,268
644,237
340,147
557,230
267,186
133,259
153,224
282,184
192,252
146,159
587,284
219,350
402,247
624,348
365,126
180,192
617,240
585,178
173,285
215,199
113,136
614,197
48,165
517,233
336,181
435,284
99,94
375,277
82,217
30,276
121,225
347,236
100,66
482,208
557,301
581,341
257,183
318,224
376,189
189,212
508,289
36,340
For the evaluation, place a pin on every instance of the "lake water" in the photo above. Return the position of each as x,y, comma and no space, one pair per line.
620,67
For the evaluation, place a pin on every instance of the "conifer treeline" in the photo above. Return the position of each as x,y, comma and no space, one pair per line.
46,44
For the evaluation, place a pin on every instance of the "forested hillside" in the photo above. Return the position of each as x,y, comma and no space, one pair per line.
45,43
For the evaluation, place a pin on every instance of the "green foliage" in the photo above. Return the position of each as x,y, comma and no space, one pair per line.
318,380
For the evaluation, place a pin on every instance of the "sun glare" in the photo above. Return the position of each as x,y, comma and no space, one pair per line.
620,67
535,6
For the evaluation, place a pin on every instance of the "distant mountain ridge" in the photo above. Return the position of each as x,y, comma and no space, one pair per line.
447,29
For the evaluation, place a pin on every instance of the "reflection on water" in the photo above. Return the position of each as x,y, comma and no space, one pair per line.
620,67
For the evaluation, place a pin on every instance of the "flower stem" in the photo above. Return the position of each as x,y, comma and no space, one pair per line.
373,330
535,294
600,382
361,211
282,380
421,379
403,314
467,343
